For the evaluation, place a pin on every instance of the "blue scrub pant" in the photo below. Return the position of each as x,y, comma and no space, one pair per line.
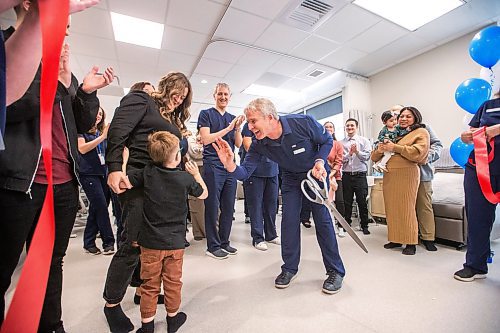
480,217
221,194
290,228
262,194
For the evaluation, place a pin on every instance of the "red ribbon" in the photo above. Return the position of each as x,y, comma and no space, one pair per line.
482,164
26,306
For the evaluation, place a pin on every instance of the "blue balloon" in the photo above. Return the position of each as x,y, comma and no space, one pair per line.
471,93
484,48
460,151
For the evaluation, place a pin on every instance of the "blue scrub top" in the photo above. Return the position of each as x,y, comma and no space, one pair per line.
488,115
212,119
266,167
303,141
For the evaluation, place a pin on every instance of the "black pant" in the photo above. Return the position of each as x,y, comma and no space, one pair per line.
126,258
355,184
19,218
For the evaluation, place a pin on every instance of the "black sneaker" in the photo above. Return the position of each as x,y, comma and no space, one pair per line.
93,250
429,245
467,274
365,231
217,254
409,250
392,245
283,280
247,220
229,250
333,283
175,322
108,250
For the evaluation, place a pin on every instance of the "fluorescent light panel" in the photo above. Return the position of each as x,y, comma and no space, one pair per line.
137,31
265,91
410,14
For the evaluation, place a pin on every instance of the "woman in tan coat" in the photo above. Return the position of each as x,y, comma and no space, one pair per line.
402,179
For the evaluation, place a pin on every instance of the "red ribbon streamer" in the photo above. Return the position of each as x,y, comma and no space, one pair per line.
26,306
482,165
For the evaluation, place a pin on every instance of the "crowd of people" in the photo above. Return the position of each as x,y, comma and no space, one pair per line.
156,173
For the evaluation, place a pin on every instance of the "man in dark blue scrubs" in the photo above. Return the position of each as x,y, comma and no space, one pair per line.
298,143
215,123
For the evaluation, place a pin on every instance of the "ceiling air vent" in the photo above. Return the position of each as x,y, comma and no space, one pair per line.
307,14
315,73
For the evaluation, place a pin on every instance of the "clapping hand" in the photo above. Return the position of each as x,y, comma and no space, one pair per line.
94,81
225,154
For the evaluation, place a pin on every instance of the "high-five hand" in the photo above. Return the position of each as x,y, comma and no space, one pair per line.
225,154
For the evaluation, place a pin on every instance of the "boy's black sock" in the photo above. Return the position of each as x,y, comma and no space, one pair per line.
175,322
117,320
147,327
161,299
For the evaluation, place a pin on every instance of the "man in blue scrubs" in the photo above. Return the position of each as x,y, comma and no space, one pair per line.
216,123
298,143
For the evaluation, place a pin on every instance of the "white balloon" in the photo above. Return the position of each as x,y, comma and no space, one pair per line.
492,76
466,120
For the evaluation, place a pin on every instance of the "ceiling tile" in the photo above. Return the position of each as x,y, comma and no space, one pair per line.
154,11
195,15
213,67
102,4
347,23
342,57
134,72
289,66
377,36
295,84
170,61
184,41
272,79
240,77
137,54
236,18
259,60
281,38
87,21
91,46
264,8
314,48
224,51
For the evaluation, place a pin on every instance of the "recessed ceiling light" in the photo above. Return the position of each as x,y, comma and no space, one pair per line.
266,91
204,81
137,31
410,14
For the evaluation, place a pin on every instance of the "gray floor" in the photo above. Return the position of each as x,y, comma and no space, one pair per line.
383,291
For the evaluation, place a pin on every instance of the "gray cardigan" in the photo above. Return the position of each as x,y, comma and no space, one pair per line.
427,170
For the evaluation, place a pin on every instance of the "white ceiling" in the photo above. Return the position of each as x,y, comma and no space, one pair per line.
245,41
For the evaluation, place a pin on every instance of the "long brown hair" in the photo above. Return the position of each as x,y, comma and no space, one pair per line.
170,84
100,126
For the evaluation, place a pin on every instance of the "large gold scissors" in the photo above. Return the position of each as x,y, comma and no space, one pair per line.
321,197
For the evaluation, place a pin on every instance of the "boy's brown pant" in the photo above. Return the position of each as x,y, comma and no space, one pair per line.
158,266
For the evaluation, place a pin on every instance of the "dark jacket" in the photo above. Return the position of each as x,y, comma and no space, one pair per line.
133,121
19,161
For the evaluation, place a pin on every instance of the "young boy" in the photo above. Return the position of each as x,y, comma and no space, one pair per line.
390,132
161,237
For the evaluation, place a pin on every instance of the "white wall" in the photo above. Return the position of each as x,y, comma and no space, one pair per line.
427,82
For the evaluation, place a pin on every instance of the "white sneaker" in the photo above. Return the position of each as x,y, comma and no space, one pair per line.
341,232
276,241
261,246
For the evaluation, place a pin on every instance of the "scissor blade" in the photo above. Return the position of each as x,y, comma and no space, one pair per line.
345,225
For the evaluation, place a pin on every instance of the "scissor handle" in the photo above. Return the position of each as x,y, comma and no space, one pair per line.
317,197
324,190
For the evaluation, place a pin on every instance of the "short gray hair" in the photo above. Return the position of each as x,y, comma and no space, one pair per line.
221,85
262,105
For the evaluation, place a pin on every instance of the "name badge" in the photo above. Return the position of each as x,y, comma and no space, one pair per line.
298,151
101,159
